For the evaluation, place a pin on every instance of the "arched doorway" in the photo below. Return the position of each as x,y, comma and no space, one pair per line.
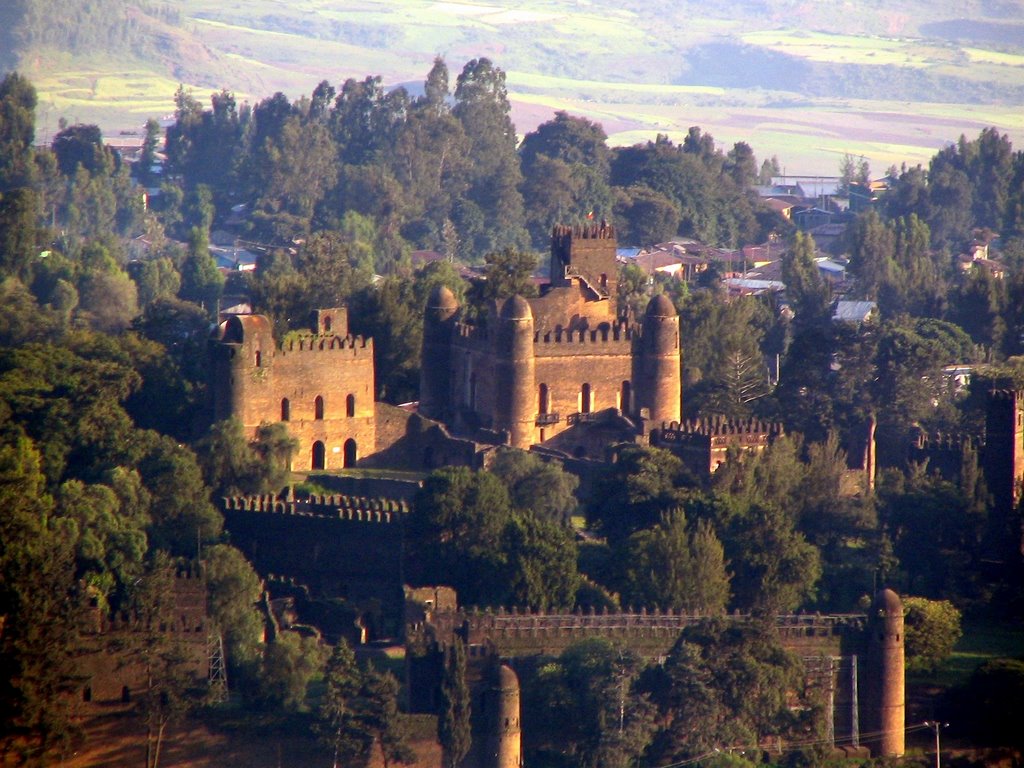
350,453
586,405
319,455
545,399
350,405
286,410
625,397
318,408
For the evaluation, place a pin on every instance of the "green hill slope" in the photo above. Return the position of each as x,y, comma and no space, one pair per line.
890,80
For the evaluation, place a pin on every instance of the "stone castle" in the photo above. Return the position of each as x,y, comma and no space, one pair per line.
565,372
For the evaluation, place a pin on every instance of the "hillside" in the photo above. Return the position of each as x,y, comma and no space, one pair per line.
808,82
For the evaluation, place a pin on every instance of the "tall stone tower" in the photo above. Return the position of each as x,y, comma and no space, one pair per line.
886,675
659,377
501,705
436,357
514,403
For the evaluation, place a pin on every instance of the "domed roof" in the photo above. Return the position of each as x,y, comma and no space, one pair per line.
442,298
517,308
505,679
888,602
661,306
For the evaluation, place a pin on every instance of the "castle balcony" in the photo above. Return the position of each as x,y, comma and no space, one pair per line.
581,418
544,419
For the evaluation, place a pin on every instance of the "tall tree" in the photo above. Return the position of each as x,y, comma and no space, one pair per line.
491,215
378,715
454,731
337,717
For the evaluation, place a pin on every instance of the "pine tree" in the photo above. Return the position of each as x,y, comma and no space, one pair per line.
336,723
453,723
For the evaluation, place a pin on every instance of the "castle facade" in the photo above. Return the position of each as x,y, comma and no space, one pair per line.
540,369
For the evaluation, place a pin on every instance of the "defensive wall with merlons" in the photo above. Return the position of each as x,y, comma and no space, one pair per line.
856,660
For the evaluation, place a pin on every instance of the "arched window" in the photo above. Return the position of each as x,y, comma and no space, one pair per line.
544,404
625,397
126,694
259,358
318,407
319,455
350,405
586,396
327,324
604,280
286,409
350,452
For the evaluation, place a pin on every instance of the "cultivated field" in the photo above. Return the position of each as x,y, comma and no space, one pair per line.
779,76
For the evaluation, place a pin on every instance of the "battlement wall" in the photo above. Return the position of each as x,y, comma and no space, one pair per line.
721,426
330,506
524,633
356,345
614,340
563,235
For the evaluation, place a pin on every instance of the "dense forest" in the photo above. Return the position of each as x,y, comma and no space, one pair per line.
108,463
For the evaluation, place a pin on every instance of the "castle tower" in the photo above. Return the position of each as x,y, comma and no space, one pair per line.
435,360
242,351
660,385
1004,448
504,737
886,677
515,373
587,255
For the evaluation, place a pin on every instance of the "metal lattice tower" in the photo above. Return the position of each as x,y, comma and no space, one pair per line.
218,675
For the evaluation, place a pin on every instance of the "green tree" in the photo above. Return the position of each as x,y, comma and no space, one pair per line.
636,491
233,590
932,631
805,288
672,567
725,683
337,722
201,282
378,716
40,624
587,706
455,534
18,232
454,731
290,663
541,561
17,131
490,217
539,486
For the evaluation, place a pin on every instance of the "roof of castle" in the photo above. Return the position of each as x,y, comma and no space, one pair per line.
517,308
442,298
661,306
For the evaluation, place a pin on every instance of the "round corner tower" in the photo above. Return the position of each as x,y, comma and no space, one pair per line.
242,350
660,389
504,735
888,684
515,399
436,352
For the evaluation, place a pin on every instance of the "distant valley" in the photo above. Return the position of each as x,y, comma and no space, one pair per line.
806,82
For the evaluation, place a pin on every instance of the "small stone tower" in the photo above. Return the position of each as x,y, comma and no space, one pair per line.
660,389
435,360
501,706
886,676
515,400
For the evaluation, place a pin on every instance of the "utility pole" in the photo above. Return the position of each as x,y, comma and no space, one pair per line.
937,727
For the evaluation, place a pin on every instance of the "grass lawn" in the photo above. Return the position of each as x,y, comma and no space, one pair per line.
981,642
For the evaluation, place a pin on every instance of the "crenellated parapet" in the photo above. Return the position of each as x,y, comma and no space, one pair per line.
325,343
331,507
723,426
562,235
518,632
605,340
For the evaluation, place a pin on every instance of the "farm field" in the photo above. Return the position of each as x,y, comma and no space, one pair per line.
898,83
